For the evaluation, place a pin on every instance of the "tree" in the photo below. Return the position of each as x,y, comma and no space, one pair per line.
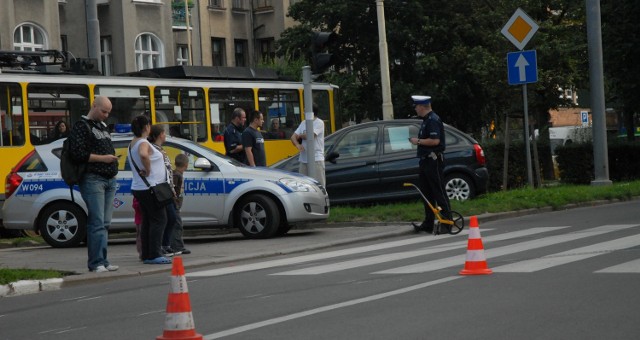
450,49
621,46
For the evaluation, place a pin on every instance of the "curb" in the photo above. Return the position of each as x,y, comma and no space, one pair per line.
24,287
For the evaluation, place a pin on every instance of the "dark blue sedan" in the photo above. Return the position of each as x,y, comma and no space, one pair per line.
369,162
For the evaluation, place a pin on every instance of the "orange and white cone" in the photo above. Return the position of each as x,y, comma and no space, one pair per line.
178,324
476,263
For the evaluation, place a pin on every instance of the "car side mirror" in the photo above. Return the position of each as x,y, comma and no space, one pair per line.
331,157
202,163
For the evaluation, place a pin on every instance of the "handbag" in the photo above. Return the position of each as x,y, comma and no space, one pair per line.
162,192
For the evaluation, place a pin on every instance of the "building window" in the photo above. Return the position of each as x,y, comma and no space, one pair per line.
262,3
217,51
29,37
267,50
240,49
106,58
148,52
182,55
216,3
238,4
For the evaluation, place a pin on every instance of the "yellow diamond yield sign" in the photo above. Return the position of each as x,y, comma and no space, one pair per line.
519,29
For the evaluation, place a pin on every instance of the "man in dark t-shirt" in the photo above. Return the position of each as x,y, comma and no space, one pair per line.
253,142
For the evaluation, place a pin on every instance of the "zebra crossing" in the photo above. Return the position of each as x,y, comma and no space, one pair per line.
549,236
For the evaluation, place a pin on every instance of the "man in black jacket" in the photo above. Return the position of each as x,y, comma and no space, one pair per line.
91,143
233,136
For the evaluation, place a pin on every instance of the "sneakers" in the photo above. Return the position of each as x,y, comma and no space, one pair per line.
103,269
112,268
185,251
99,269
169,252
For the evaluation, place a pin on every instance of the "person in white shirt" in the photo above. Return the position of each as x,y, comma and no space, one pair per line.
299,140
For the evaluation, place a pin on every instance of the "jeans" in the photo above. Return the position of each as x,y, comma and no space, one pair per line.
177,243
167,237
154,220
98,194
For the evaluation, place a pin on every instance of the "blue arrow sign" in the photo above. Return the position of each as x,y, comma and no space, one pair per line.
522,67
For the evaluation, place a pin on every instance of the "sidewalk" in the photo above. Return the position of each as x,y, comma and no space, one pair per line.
206,250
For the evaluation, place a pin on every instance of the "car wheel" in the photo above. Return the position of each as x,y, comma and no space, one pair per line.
257,216
63,225
459,187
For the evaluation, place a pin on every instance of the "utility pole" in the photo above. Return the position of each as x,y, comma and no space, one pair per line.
594,40
387,105
186,18
93,31
308,120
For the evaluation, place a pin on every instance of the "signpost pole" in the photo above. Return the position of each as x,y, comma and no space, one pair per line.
308,119
526,134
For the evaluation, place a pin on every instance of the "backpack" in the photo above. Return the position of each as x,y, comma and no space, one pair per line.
72,171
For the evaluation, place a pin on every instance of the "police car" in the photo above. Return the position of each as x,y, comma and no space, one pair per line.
218,191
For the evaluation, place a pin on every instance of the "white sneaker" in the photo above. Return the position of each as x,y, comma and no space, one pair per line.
100,269
112,268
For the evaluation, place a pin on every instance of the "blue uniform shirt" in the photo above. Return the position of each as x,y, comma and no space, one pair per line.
432,127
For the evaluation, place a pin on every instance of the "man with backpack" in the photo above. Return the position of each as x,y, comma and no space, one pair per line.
90,143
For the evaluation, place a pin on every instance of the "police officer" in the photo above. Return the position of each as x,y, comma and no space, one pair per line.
431,145
233,136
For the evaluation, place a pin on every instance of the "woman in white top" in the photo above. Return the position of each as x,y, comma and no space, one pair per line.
150,164
157,137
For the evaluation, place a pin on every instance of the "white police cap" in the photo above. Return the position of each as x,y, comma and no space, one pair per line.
421,100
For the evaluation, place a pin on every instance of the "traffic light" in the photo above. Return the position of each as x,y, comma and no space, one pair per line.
84,66
321,59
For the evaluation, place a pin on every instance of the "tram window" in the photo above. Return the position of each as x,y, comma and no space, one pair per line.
11,118
222,103
283,106
183,111
127,102
321,101
48,104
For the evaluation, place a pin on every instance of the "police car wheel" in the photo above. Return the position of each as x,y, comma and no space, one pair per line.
63,225
257,216
459,187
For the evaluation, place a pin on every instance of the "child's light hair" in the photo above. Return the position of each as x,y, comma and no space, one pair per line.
181,160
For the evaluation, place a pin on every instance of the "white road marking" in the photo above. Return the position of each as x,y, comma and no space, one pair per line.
627,267
349,303
569,256
313,257
333,267
506,250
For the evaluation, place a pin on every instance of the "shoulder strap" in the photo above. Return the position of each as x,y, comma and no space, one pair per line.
144,179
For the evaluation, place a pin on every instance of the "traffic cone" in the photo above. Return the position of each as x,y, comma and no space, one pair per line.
178,323
476,263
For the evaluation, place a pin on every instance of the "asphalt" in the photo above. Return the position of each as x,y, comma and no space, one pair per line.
207,249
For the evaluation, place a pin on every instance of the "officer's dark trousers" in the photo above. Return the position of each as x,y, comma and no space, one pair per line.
432,186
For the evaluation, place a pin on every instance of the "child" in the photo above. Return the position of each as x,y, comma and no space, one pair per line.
182,161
